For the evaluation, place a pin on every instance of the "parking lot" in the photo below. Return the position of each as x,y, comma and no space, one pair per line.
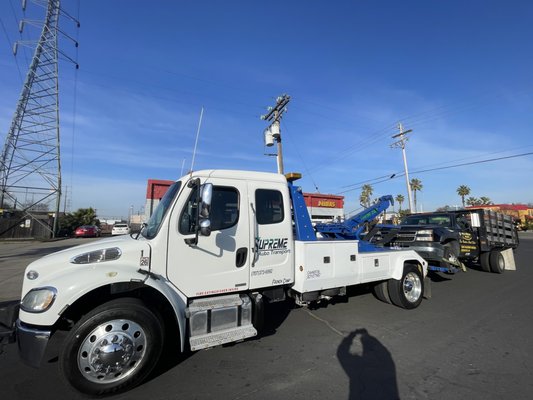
472,340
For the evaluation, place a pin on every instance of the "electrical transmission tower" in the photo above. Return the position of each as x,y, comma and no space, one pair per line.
30,164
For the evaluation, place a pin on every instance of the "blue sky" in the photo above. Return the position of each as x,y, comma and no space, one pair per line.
456,72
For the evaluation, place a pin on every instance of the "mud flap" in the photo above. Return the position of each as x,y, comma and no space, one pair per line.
508,256
427,288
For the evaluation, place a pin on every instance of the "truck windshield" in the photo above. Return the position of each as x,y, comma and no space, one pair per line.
153,224
435,219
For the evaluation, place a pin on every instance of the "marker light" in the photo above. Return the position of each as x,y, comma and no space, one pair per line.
97,256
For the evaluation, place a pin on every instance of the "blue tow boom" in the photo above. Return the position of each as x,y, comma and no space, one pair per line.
352,228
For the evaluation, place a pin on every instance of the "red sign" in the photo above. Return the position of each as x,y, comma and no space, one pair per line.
323,200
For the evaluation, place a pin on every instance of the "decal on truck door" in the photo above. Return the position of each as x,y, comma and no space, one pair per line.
467,242
273,246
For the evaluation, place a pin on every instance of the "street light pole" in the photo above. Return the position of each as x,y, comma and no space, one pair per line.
401,144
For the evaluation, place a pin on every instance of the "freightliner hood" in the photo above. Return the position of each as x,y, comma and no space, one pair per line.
58,271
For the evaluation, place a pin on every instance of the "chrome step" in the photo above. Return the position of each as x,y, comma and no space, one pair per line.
222,337
210,303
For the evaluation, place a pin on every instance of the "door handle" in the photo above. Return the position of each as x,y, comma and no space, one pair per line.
240,257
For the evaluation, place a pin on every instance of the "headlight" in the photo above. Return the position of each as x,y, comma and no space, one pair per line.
425,235
38,300
97,256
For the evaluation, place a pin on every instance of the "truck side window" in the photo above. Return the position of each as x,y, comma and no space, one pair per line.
224,210
463,221
269,205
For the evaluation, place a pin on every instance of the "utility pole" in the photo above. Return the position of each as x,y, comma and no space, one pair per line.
273,132
402,139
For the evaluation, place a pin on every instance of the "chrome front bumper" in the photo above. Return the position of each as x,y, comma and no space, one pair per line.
31,340
32,343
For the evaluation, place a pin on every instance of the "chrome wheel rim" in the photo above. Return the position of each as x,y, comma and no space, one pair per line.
112,351
412,287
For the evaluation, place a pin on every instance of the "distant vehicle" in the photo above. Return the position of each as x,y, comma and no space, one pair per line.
120,229
87,231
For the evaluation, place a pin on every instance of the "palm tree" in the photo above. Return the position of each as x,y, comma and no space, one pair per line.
485,201
463,191
400,199
416,185
472,201
366,193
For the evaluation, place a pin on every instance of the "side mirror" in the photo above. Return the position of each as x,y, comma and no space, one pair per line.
203,223
206,195
205,227
205,208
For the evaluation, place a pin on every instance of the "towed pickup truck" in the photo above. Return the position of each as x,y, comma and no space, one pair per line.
449,240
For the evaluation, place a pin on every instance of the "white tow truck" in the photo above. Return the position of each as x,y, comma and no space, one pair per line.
218,247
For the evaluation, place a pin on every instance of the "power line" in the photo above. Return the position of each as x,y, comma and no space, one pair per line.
393,175
74,111
473,163
295,148
421,171
10,42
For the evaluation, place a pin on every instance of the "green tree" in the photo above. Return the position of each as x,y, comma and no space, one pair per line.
83,216
366,194
416,186
400,199
463,191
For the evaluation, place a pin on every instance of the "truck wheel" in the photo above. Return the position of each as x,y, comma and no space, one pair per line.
112,348
497,262
407,292
381,291
484,261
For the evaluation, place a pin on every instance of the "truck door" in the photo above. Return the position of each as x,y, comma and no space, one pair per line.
219,263
272,237
468,238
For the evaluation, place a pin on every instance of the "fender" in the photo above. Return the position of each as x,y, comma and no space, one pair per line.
73,281
400,257
72,287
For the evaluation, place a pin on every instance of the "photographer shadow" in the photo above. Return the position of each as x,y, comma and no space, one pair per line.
371,368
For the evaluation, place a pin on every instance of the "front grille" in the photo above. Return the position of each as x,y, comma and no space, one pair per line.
403,236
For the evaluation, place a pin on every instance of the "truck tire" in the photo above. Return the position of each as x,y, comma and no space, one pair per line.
484,261
112,348
497,262
407,292
451,251
381,291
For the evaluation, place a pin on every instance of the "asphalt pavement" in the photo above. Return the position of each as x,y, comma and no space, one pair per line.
471,340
